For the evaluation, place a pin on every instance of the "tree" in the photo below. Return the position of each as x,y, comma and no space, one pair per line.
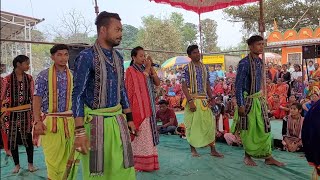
189,31
286,12
189,34
160,34
129,39
40,52
209,35
73,28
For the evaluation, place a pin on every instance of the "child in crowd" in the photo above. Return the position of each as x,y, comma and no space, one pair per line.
291,129
222,119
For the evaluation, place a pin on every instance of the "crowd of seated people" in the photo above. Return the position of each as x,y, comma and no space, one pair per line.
287,96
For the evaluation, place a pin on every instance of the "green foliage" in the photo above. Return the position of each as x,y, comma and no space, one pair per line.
286,12
209,35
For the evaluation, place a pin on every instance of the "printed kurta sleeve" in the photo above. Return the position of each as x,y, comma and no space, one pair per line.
41,84
185,77
82,67
129,85
124,101
241,77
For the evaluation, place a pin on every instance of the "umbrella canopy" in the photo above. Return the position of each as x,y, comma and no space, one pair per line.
272,57
203,6
176,61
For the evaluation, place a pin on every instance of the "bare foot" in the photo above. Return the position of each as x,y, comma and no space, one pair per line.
195,154
16,169
216,154
249,161
272,161
31,168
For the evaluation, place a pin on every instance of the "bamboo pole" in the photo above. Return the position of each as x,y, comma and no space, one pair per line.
262,30
96,7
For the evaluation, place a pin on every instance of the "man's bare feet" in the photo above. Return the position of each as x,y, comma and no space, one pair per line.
216,154
249,161
272,161
195,154
31,168
16,169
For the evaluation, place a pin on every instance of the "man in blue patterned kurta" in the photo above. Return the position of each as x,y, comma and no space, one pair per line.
52,97
99,104
199,120
253,117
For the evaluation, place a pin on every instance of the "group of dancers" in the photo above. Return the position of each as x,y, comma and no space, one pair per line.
105,118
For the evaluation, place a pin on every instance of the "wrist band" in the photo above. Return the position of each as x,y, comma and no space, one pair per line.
190,100
129,116
79,127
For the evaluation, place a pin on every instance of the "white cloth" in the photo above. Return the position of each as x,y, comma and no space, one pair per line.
220,125
311,68
172,76
295,75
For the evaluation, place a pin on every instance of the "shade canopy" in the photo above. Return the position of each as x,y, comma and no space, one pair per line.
203,6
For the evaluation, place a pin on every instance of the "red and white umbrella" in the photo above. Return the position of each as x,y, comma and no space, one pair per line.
203,6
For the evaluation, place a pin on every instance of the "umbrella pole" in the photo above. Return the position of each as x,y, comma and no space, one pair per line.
96,7
201,41
262,30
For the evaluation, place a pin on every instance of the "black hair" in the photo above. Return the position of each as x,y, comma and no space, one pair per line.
19,59
103,19
134,52
163,102
254,39
277,95
191,48
311,62
58,47
298,66
297,105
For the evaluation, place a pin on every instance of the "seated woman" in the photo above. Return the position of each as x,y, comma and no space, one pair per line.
218,88
307,105
171,94
276,107
271,87
282,89
291,129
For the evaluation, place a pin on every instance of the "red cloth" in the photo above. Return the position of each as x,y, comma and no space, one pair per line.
230,75
136,85
218,88
165,116
204,6
276,111
225,120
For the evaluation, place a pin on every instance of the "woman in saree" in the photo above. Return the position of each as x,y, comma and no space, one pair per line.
140,80
173,93
282,90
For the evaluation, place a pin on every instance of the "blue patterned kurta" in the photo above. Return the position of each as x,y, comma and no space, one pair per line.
243,79
84,79
42,89
185,77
